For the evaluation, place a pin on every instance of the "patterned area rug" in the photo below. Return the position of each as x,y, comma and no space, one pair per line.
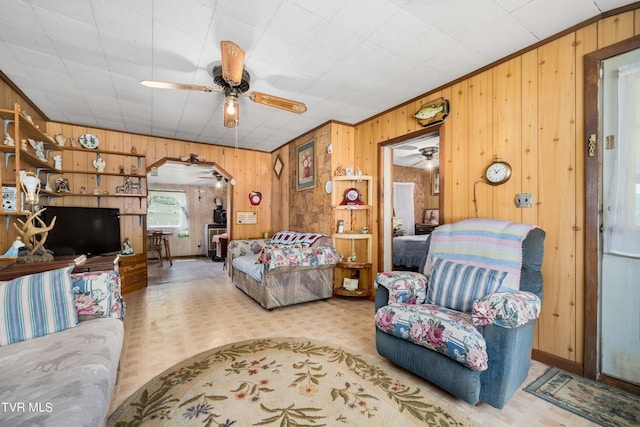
596,402
282,382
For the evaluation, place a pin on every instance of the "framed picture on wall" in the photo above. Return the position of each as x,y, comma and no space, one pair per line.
306,176
432,216
435,182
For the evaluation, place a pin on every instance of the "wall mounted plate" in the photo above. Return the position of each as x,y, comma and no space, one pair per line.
328,187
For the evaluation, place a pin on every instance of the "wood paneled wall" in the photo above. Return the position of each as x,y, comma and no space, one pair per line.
527,110
247,167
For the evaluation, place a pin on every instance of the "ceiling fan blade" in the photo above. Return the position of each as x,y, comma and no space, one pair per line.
231,120
275,101
232,62
171,85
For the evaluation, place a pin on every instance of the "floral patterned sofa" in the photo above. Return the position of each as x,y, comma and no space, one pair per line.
289,268
60,342
466,322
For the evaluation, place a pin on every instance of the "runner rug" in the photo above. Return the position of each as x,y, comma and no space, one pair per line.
282,382
596,402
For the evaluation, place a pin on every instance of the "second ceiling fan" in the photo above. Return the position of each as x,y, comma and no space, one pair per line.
233,80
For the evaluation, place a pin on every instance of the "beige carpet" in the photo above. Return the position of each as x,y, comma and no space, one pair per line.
282,382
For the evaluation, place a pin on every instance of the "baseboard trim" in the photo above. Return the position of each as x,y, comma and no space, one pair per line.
558,362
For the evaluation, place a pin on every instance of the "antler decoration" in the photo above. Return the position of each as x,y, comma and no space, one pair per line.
29,228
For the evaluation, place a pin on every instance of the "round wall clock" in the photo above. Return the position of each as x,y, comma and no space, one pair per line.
498,172
352,197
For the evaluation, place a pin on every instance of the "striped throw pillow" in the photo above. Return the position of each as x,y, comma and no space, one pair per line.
35,305
457,286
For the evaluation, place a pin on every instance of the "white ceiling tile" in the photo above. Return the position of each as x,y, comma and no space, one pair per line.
81,61
188,16
363,17
544,17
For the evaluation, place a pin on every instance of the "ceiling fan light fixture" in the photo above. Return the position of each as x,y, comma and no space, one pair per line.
230,103
230,120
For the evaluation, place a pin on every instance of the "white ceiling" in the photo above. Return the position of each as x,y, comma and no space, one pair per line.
81,61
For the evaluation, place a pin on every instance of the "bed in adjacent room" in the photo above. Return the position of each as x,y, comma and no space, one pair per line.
410,252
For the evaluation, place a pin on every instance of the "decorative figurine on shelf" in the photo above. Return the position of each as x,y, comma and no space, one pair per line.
134,150
134,170
99,164
128,187
121,169
47,186
359,173
96,191
40,151
340,226
339,171
62,185
23,144
127,249
74,142
57,161
8,140
60,139
83,189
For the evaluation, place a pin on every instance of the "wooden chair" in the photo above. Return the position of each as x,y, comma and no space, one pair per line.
155,242
167,249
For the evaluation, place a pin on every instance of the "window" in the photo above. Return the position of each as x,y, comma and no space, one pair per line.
168,209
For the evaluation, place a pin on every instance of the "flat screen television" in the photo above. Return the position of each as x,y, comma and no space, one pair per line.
83,231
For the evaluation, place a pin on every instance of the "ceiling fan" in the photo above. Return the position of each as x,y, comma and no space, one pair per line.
426,154
211,175
232,79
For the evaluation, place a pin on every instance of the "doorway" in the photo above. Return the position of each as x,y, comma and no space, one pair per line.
207,193
612,167
410,159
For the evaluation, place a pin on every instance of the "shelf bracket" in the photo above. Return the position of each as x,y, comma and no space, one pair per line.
6,159
8,219
98,200
98,179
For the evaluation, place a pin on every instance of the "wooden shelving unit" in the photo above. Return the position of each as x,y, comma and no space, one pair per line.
356,240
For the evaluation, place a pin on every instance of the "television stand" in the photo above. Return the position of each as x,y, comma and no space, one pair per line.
132,268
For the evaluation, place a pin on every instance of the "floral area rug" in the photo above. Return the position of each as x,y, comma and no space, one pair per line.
596,402
282,382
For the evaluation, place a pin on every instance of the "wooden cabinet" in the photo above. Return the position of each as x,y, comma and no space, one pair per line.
133,272
353,238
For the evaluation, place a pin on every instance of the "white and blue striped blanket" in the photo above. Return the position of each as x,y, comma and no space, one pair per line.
488,243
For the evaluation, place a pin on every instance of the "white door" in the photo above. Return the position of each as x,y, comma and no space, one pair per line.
620,201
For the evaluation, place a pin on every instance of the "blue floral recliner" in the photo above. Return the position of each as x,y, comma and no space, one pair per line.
466,322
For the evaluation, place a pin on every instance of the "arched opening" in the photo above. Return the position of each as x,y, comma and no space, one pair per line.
206,187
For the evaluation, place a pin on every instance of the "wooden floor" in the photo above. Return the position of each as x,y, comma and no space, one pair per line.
193,306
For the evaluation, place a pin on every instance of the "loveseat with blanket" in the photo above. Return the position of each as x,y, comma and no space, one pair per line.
289,268
466,324
60,342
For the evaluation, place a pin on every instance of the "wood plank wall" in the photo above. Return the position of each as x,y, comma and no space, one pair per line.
528,111
249,168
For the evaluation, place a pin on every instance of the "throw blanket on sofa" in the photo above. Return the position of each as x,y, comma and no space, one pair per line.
490,243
